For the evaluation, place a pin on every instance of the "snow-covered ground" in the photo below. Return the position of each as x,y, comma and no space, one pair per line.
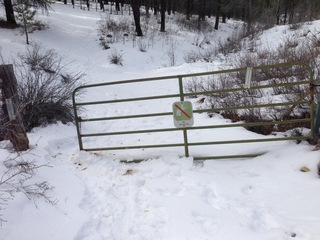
169,196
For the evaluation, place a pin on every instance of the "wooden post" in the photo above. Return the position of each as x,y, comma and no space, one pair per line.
13,124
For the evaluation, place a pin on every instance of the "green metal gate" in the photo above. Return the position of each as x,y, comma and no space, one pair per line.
261,79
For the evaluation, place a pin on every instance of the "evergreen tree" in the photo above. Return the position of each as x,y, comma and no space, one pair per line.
25,15
37,4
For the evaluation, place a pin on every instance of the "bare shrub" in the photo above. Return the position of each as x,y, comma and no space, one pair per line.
217,99
194,85
283,79
313,48
295,26
191,57
171,52
193,24
206,55
45,88
39,25
115,57
142,45
112,30
18,177
104,43
233,43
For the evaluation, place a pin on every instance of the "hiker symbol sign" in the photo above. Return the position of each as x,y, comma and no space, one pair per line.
182,114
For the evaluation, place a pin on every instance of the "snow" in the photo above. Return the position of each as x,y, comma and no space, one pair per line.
169,196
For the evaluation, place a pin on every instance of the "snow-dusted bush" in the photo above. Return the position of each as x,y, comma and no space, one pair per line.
194,24
17,177
45,87
104,43
116,57
112,30
292,50
233,44
192,56
142,45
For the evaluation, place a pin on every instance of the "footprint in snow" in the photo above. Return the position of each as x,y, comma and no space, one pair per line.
209,225
213,197
248,189
166,187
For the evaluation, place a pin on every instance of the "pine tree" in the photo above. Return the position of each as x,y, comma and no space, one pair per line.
25,15
37,4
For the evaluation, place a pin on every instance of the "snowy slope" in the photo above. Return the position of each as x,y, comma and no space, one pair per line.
168,196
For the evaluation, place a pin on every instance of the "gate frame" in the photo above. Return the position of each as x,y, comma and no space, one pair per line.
313,125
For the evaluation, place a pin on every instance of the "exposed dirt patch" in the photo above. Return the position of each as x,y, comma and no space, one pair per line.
5,24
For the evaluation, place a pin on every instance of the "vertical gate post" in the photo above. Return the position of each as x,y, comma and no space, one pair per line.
13,125
185,132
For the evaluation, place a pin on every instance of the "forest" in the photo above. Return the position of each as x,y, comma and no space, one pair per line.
255,13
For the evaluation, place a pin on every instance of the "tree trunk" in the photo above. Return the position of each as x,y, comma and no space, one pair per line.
216,25
9,11
25,28
224,17
88,5
117,6
136,16
169,7
13,124
202,10
278,13
163,16
188,10
101,5
147,9
248,16
155,7
285,16
174,7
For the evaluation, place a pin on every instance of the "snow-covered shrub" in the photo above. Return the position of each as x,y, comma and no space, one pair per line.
244,52
116,57
233,44
191,57
104,43
112,30
221,99
193,25
17,177
171,52
142,45
45,87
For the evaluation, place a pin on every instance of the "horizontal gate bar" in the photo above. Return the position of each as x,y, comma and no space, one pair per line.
128,100
228,156
251,124
195,111
188,94
198,143
125,117
249,140
251,106
247,89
